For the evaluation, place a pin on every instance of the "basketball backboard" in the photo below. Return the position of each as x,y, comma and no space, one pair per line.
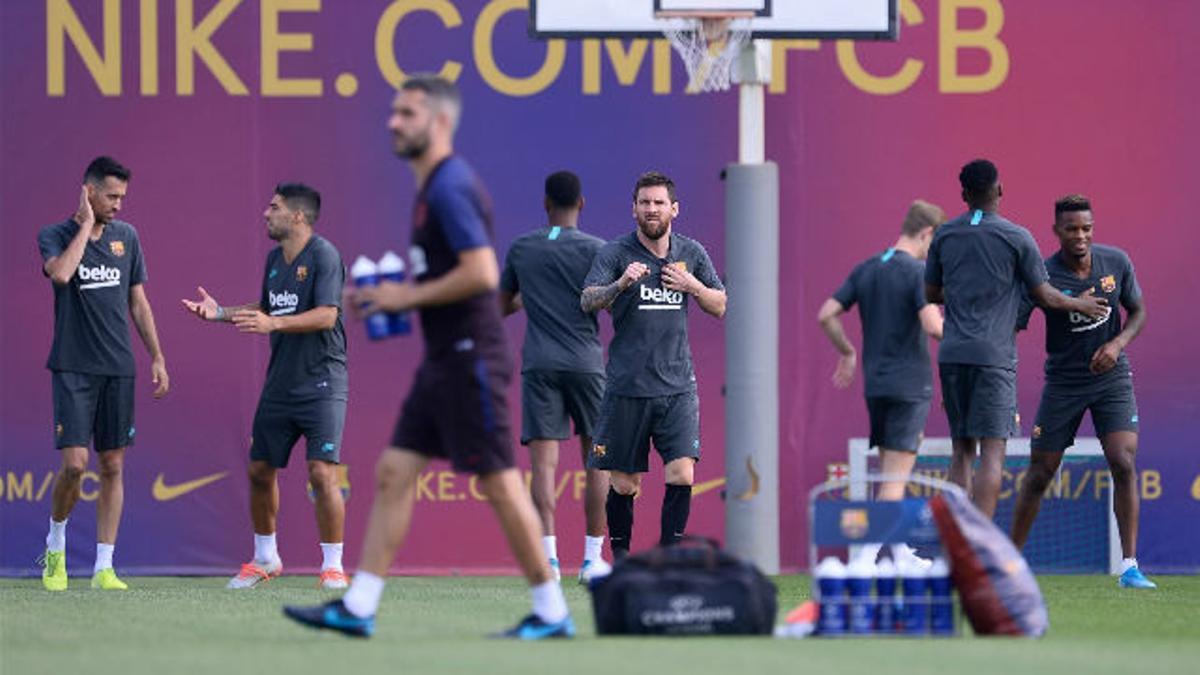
780,19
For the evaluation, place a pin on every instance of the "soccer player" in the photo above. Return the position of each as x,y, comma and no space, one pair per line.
980,266
646,279
306,387
1086,369
98,274
562,364
457,407
889,289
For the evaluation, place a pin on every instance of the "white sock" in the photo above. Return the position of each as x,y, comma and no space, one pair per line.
104,554
550,546
592,546
868,553
56,540
332,556
1127,563
548,601
265,548
362,600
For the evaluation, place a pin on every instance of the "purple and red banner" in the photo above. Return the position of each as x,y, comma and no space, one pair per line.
213,102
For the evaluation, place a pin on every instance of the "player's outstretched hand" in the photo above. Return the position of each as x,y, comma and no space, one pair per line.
253,321
388,296
844,374
160,378
632,274
676,278
1092,306
84,215
1105,357
206,307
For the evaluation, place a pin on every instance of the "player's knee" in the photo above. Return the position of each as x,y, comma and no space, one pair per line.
262,477
322,476
624,484
71,472
111,468
1121,465
680,472
388,471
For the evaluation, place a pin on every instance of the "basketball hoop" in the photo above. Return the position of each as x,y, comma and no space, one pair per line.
709,44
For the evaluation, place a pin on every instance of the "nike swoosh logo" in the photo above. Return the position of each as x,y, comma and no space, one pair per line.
707,486
165,493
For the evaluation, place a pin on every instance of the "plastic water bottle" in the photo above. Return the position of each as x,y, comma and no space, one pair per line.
391,268
860,577
941,608
914,586
885,597
831,581
366,273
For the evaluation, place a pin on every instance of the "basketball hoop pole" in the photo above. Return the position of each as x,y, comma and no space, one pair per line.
752,71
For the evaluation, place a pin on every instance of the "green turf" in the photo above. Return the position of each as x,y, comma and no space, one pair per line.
436,625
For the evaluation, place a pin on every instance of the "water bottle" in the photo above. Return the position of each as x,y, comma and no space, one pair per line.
366,273
860,577
831,581
914,586
391,268
885,597
941,608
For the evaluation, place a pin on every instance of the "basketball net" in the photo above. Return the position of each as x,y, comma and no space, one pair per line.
708,47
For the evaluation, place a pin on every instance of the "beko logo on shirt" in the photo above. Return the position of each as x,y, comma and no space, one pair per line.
101,276
283,302
661,297
1088,323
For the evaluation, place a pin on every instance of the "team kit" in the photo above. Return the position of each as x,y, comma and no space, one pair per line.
644,396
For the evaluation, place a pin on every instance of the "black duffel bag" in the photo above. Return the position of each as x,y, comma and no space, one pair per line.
694,588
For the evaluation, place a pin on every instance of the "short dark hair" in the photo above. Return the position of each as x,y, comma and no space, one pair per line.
443,93
1071,203
563,189
302,198
104,166
654,179
978,177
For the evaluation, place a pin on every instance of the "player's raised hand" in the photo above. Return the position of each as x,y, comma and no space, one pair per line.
632,274
676,278
84,215
844,374
206,307
1105,357
1095,307
253,321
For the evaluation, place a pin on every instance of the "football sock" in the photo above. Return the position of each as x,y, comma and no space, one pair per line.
548,601
104,555
332,556
592,547
265,549
676,506
1127,563
56,540
550,547
362,600
619,509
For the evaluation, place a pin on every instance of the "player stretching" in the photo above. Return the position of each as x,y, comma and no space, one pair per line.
562,364
457,407
646,278
1086,369
890,291
980,266
306,387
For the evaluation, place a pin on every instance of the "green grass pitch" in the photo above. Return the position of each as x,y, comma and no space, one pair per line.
438,625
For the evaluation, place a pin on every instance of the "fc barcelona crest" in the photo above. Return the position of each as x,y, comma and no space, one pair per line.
117,248
301,273
599,450
1108,284
854,523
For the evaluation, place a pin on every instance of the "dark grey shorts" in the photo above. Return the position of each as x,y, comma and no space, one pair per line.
552,399
278,425
897,424
92,407
628,425
1060,412
981,401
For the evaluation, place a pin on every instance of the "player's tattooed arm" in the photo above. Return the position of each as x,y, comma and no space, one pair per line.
596,298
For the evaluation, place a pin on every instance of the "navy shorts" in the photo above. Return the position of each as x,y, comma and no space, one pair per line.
1060,412
552,399
458,410
278,425
92,407
897,424
628,425
981,401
